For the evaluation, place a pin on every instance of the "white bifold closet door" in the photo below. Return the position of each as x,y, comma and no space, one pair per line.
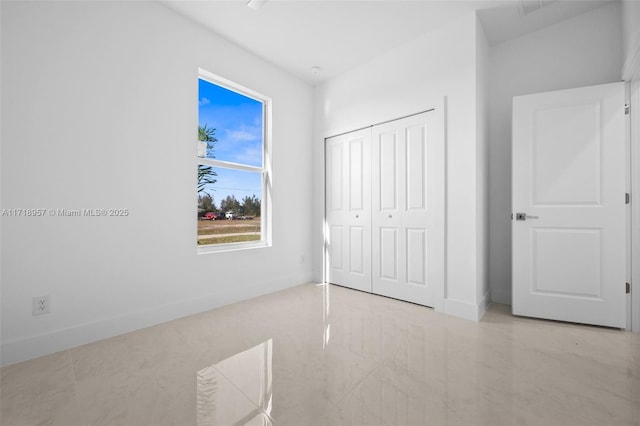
408,209
348,209
385,209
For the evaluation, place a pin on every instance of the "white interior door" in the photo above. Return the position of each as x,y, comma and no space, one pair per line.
569,181
348,209
408,209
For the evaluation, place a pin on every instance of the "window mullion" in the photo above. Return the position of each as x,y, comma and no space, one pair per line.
229,165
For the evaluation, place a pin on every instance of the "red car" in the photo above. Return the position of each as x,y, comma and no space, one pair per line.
210,216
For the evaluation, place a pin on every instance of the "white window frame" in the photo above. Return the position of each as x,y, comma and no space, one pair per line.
265,170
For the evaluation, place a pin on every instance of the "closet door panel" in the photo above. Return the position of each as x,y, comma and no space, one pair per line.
415,215
416,164
358,215
409,161
348,192
388,260
416,260
336,244
335,211
335,170
387,183
387,248
356,178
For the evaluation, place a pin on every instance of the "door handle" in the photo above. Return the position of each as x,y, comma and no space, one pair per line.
524,216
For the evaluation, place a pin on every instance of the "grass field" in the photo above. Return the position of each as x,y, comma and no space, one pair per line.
228,231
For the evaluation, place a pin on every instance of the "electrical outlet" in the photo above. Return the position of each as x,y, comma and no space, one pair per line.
41,305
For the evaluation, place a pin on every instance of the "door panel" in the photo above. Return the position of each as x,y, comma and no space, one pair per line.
335,154
348,211
356,190
389,262
336,241
388,230
415,261
416,159
569,178
567,154
356,251
388,166
335,212
558,268
416,215
408,166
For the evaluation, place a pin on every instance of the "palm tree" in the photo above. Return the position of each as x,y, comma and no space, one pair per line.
206,174
206,134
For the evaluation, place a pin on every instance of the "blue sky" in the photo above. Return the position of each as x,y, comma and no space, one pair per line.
238,123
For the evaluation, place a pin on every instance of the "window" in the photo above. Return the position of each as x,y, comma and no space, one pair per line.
233,158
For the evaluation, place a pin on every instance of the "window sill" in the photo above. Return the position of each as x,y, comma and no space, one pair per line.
223,248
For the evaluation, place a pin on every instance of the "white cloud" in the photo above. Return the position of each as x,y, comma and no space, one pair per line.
250,155
241,135
241,145
204,101
245,134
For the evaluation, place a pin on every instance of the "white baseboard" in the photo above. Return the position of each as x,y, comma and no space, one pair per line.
484,302
466,310
18,350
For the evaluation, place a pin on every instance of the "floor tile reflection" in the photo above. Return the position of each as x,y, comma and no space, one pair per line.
250,372
325,355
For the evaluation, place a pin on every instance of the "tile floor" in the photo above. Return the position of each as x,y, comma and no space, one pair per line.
325,355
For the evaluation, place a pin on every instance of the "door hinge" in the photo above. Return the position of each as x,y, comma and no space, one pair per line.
627,109
628,288
627,198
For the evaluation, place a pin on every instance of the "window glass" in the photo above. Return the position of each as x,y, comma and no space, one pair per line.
237,121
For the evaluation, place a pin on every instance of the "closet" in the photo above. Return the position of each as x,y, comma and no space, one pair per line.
385,209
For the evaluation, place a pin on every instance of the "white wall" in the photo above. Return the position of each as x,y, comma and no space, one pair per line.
406,80
100,111
630,24
482,178
582,51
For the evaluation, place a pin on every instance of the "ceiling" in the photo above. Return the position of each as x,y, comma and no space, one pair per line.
339,35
